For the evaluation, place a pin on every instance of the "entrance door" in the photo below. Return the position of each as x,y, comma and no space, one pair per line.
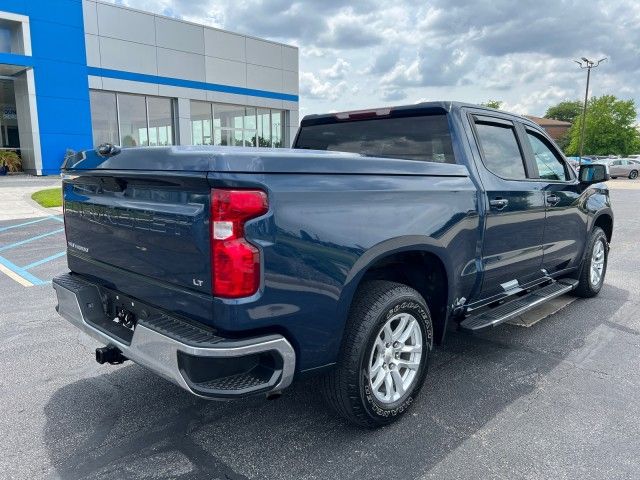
9,137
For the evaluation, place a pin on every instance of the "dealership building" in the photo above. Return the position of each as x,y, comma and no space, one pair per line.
77,73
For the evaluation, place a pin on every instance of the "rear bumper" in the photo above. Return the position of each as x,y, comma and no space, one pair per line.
191,356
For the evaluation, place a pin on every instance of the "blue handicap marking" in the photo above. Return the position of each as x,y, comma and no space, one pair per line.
21,274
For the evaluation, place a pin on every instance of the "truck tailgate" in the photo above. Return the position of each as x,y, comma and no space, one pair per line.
151,223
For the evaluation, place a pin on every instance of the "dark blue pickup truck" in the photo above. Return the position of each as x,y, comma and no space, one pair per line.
235,271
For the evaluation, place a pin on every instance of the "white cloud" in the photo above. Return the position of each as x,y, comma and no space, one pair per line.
316,88
338,70
365,53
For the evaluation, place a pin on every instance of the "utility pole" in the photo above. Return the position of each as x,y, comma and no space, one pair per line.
588,64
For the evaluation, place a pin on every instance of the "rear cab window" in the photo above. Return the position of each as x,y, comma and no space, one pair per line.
424,138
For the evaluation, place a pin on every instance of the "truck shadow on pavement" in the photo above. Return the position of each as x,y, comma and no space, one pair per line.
131,424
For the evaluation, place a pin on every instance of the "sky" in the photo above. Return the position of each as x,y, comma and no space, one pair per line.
371,53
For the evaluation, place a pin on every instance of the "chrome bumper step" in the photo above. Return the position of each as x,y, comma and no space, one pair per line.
507,311
189,355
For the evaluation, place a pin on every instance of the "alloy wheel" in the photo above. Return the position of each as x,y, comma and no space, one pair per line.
597,262
395,358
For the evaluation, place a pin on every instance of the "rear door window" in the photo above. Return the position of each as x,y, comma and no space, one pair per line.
500,150
424,138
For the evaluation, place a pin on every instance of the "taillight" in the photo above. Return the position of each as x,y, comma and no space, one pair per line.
235,263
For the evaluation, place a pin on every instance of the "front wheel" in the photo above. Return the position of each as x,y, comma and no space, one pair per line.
594,266
384,356
633,174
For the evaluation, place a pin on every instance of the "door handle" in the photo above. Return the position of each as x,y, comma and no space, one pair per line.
553,199
498,203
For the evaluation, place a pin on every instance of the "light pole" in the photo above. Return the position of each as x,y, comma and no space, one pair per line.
588,64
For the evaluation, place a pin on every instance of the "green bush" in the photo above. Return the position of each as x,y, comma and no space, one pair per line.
11,160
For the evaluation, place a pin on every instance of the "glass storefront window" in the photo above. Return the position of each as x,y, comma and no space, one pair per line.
133,120
104,117
250,127
264,127
201,123
160,112
137,120
277,122
235,125
228,116
5,39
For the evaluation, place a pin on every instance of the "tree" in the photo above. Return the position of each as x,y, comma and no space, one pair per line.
609,128
492,104
566,111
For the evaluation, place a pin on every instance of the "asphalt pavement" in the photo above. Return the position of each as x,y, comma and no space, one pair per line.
556,400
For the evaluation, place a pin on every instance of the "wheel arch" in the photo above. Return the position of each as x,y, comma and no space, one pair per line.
604,220
422,266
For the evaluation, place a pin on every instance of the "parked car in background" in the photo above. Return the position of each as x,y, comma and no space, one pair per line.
623,167
575,162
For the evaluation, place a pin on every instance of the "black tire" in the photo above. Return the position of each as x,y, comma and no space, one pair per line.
613,177
347,388
585,287
633,174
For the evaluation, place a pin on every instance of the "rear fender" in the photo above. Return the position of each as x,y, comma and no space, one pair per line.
412,243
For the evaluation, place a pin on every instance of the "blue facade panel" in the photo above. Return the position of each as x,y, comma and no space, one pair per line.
62,77
60,70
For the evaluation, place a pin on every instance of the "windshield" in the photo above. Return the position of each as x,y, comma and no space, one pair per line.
425,138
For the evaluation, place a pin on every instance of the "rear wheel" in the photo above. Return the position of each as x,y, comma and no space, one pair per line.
633,174
594,266
384,356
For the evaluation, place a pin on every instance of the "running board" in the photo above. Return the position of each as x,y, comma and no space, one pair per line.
507,311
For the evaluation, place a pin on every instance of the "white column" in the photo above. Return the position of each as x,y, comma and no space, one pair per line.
28,126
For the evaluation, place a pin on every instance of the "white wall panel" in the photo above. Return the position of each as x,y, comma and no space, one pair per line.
125,24
182,92
226,72
90,16
224,45
264,102
290,82
128,56
92,43
95,82
227,98
179,35
264,78
290,58
127,86
187,66
264,53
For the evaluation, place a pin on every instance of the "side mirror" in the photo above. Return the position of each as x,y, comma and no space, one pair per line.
593,173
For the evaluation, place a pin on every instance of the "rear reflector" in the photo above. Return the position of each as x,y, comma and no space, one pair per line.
235,263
